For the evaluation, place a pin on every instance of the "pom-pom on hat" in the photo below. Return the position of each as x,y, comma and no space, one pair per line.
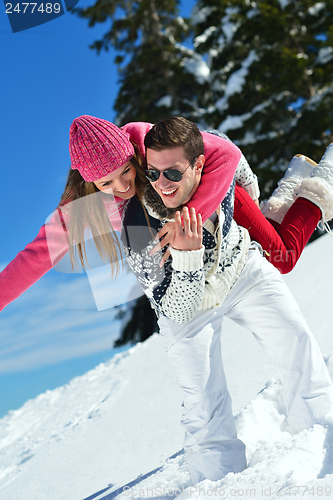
97,147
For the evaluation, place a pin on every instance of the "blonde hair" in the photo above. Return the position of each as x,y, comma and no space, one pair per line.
92,215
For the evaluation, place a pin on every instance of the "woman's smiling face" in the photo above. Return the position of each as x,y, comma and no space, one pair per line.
120,182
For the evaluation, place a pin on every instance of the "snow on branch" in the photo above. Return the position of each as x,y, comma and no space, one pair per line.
196,66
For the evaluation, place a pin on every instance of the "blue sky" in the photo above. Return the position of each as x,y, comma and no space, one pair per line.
49,76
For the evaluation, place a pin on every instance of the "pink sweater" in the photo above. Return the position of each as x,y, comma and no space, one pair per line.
43,252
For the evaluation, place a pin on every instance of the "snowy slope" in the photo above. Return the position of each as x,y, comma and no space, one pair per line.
118,425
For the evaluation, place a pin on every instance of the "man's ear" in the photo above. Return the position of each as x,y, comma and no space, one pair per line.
199,164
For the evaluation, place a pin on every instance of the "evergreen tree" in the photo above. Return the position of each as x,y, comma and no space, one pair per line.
139,321
155,67
271,77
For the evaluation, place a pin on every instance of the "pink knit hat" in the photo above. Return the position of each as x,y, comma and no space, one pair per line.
97,147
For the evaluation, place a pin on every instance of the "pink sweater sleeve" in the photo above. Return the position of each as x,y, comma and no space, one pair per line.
43,253
221,161
38,257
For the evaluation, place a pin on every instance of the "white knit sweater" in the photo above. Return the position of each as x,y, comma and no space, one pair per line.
190,280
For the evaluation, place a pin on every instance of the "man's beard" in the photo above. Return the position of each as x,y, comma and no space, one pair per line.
154,201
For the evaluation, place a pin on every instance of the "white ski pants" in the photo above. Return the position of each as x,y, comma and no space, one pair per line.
261,302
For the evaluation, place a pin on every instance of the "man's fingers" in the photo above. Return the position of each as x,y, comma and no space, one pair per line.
165,229
199,225
161,244
187,220
165,257
167,233
196,222
162,232
156,248
193,220
178,225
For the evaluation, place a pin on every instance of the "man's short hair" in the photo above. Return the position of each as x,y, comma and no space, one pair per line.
173,132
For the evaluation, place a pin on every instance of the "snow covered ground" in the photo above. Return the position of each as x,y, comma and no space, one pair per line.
115,432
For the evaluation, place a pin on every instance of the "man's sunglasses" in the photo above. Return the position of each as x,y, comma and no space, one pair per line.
172,175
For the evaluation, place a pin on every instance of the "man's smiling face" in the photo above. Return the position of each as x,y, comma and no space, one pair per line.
175,194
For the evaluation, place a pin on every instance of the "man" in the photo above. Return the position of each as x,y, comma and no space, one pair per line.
198,286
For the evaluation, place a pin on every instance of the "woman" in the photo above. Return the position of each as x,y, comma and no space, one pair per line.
105,160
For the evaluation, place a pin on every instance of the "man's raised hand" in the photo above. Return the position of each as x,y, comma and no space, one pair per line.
189,236
178,237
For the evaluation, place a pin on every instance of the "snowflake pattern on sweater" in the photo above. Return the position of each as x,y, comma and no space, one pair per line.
178,290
